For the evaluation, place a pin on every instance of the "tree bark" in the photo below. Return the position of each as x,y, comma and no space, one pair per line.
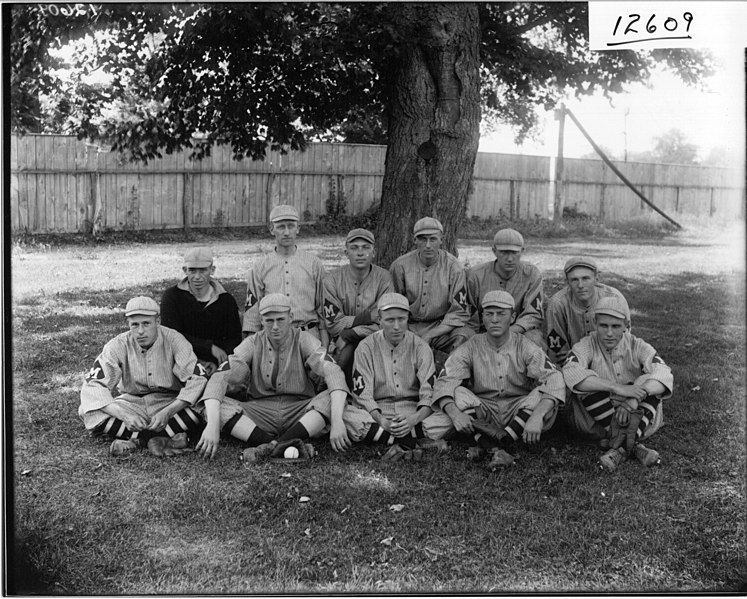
434,124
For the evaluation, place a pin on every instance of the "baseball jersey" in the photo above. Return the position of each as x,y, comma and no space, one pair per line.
436,292
270,371
507,374
568,321
169,365
384,371
345,298
202,323
630,361
524,285
299,277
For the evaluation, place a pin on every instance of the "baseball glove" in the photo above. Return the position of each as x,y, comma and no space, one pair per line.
491,430
625,435
165,447
305,450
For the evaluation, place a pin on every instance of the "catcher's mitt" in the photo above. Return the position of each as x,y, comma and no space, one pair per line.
305,450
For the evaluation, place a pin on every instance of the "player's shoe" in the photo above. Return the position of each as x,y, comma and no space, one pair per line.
252,455
475,453
122,447
646,456
604,443
499,458
166,447
612,459
437,445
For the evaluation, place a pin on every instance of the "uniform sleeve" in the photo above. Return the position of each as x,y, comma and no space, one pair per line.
234,371
458,368
458,313
321,363
363,377
171,317
384,285
576,365
233,326
191,374
337,320
397,271
654,368
319,276
473,297
557,332
549,379
101,381
255,291
426,373
532,313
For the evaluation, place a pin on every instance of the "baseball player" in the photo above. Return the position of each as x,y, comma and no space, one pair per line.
433,282
143,386
621,381
393,383
501,384
202,310
508,273
350,296
288,270
570,318
281,401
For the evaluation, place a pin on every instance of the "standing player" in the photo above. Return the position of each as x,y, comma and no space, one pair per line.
393,383
433,282
570,318
143,386
500,383
350,296
202,310
296,274
281,401
508,273
621,382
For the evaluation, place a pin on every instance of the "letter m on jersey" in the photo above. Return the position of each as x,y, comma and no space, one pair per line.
330,310
96,372
461,298
359,384
555,340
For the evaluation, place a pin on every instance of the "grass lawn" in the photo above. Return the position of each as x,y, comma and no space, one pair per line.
86,523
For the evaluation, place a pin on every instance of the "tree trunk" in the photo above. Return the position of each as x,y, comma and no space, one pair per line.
434,124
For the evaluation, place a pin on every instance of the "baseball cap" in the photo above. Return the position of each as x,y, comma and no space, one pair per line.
198,258
274,302
142,305
283,212
498,299
584,261
393,300
613,306
508,239
427,226
360,234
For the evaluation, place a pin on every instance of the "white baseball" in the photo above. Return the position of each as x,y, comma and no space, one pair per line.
290,453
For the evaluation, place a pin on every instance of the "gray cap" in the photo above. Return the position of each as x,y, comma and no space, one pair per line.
274,302
283,212
393,300
360,234
508,239
498,299
576,261
613,306
198,258
427,226
145,306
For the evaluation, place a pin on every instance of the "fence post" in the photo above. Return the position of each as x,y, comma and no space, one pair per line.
187,203
511,199
557,220
713,204
601,201
677,199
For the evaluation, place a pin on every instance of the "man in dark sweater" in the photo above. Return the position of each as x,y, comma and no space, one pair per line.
202,310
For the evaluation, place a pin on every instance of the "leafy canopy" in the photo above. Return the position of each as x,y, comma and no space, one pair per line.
170,76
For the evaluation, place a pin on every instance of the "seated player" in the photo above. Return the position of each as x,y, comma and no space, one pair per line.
297,274
500,386
621,382
350,296
509,273
143,386
393,384
281,402
570,318
202,310
433,282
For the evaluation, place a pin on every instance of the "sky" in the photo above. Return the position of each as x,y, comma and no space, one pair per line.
709,118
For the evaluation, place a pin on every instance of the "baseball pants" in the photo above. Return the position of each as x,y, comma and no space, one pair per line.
580,421
358,421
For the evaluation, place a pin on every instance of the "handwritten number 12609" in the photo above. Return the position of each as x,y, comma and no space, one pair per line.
670,24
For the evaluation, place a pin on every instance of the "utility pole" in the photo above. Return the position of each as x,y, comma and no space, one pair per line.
557,219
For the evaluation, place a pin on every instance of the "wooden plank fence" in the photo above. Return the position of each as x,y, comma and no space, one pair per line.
62,185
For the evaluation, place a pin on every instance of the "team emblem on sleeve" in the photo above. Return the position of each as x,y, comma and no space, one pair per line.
251,299
432,379
224,366
461,298
329,358
359,384
549,364
200,370
330,310
537,303
96,372
572,358
658,360
555,340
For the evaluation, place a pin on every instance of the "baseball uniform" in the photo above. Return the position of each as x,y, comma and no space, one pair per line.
505,382
568,321
631,361
299,277
396,380
279,386
524,285
437,294
143,381
204,324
